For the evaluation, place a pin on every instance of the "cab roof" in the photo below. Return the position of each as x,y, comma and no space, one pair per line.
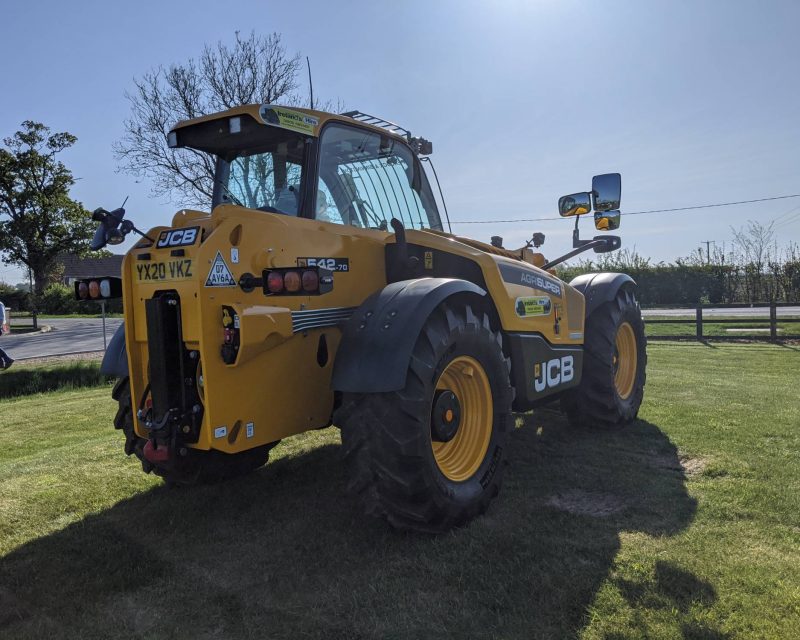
305,121
308,121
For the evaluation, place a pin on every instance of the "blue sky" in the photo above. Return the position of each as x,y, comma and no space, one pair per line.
693,102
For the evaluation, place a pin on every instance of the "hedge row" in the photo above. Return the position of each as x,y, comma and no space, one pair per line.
664,284
57,299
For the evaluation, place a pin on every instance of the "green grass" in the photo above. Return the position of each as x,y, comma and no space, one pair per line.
24,379
684,525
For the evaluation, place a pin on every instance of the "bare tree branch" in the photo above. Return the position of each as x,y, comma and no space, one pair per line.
255,69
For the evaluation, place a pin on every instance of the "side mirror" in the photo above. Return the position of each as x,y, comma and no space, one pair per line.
575,204
606,220
108,231
606,189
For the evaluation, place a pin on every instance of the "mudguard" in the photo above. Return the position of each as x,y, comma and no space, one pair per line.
599,288
378,339
115,361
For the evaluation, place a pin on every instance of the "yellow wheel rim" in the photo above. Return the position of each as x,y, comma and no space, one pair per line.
625,360
461,457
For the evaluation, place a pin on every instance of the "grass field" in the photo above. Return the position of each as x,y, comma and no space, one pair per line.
684,525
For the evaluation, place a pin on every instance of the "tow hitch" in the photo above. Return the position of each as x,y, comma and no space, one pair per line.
156,454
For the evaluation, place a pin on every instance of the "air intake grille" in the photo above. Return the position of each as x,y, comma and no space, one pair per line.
317,318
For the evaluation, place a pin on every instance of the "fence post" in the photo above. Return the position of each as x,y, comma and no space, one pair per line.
698,319
773,321
103,307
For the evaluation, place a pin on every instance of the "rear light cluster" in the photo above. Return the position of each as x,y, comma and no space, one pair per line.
290,282
98,289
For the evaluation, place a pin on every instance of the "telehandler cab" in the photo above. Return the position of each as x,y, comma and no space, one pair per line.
323,289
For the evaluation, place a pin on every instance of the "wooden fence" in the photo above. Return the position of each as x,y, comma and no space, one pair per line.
770,320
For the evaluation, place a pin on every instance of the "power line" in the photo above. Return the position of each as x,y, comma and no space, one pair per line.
788,221
785,213
638,213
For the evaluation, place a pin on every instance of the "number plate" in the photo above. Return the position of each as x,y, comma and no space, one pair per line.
165,270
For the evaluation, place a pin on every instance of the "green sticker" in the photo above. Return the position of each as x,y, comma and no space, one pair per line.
289,119
538,306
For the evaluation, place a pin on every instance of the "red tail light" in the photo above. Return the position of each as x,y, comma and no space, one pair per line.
275,282
310,281
303,281
291,281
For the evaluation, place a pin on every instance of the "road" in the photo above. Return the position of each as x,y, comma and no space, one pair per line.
739,312
73,335
69,335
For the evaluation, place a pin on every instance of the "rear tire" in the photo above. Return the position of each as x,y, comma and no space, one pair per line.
199,467
615,359
421,477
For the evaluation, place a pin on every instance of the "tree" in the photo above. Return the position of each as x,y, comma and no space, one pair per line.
38,219
255,70
754,246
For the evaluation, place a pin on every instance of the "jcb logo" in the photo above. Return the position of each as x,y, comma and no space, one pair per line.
177,237
553,373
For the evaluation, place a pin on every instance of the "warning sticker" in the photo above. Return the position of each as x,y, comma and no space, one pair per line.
220,275
526,307
289,119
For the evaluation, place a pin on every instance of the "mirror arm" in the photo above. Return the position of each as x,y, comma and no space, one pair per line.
585,245
141,233
126,226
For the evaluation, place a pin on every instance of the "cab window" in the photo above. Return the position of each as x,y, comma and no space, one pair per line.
265,173
367,179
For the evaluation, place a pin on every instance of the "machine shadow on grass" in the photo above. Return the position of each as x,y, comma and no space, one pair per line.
286,553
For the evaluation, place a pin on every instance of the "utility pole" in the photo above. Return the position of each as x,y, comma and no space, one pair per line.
708,244
32,298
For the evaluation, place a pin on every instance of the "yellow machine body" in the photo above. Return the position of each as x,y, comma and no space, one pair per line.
281,381
277,384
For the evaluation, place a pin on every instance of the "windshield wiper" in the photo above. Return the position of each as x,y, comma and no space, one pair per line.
371,215
228,192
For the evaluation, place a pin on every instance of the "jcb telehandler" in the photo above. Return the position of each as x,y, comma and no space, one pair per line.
323,289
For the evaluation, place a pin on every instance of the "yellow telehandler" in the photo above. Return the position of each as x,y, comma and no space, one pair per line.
322,289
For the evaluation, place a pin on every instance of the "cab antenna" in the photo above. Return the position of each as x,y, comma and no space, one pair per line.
310,86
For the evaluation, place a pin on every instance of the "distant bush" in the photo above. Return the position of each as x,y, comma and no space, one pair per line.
13,298
59,299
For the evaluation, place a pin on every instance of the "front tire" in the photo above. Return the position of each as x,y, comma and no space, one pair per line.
615,358
430,456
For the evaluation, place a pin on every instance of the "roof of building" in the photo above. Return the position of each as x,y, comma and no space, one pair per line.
75,267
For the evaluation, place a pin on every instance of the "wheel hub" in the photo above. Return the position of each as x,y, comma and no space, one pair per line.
470,400
445,416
